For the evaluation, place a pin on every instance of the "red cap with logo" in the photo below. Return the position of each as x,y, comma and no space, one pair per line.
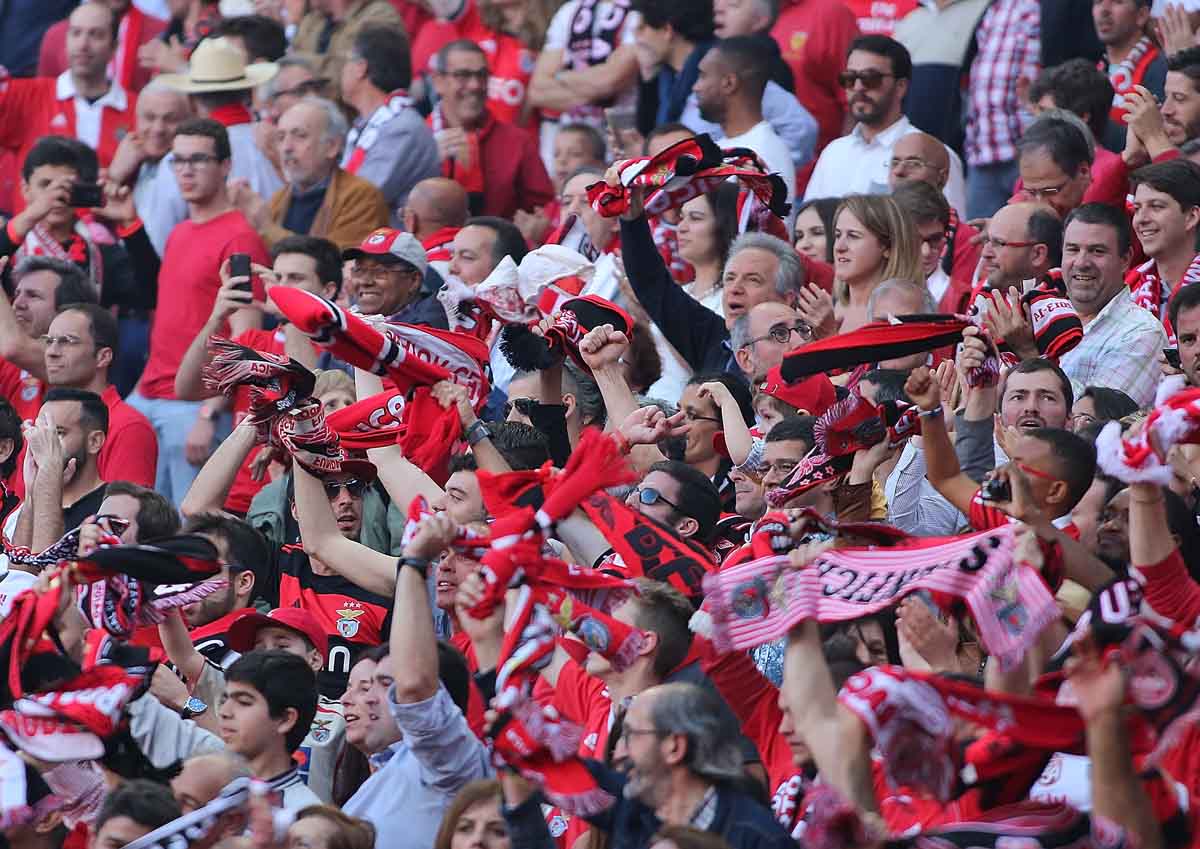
244,630
814,394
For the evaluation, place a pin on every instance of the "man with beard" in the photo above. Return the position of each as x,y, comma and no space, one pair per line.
729,91
1130,54
1121,341
1157,130
70,472
320,199
1166,214
876,78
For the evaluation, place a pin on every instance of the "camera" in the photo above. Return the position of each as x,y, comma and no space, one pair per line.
996,490
86,195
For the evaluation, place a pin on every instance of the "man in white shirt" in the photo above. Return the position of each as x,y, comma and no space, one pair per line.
729,92
877,75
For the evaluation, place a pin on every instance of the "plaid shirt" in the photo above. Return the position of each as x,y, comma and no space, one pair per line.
1009,39
1119,350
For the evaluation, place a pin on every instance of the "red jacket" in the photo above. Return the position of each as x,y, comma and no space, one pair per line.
137,28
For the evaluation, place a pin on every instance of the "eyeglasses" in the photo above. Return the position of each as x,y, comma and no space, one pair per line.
1000,244
114,525
196,160
465,76
871,79
380,273
1079,420
909,162
524,406
650,496
634,732
1045,192
782,333
354,486
693,416
301,89
67,341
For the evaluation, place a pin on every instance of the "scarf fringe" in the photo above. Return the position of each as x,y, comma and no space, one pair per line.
589,803
560,737
596,463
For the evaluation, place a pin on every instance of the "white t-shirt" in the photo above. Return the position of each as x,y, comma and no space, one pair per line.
12,584
771,149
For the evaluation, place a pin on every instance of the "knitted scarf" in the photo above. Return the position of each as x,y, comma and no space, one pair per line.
878,340
1142,458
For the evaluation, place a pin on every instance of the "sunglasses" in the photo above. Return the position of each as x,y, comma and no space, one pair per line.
525,406
114,525
871,79
649,496
354,486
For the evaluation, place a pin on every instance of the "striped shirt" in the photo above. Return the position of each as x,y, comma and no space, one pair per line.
1009,41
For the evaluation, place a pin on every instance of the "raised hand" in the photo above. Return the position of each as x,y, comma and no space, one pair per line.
923,389
603,346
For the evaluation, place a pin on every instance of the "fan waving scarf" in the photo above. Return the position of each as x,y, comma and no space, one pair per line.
879,340
760,601
1175,420
196,826
686,170
277,382
526,351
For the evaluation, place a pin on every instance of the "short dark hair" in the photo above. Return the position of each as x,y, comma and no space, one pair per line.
156,518
148,803
1187,298
921,201
509,241
386,50
1110,404
827,210
1076,459
74,286
890,383
667,129
1078,86
284,680
882,45
664,610
1179,178
1046,228
93,412
794,428
737,388
523,446
1036,364
208,128
1110,216
745,55
463,463
1063,142
101,324
698,496
595,139
264,37
246,545
1186,62
65,152
692,20
461,45
10,428
326,254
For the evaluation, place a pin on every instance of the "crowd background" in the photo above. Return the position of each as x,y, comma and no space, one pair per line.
515,424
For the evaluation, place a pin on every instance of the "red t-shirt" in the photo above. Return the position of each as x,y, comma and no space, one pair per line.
130,452
879,17
509,61
187,288
814,36
244,487
25,393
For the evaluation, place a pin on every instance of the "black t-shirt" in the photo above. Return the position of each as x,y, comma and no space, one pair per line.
89,505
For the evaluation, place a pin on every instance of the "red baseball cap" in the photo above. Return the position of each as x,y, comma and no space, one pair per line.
814,394
244,629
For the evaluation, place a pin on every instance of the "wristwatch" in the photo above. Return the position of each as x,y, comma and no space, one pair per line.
477,432
419,563
192,707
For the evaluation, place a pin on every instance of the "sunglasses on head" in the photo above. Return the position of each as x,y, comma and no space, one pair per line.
525,406
354,486
870,78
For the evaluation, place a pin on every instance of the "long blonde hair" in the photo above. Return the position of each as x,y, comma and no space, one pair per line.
532,31
884,218
477,791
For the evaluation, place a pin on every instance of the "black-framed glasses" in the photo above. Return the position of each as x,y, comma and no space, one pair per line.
870,78
196,160
354,486
626,731
650,496
782,333
692,416
465,75
524,406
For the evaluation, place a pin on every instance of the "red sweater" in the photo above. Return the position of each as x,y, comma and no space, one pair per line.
130,452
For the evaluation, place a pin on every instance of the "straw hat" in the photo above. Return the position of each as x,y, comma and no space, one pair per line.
218,65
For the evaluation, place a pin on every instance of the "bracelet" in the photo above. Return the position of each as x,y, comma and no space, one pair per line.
418,563
623,443
477,432
926,414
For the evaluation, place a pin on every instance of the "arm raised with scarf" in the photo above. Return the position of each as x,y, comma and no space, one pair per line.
941,463
208,491
1153,551
413,642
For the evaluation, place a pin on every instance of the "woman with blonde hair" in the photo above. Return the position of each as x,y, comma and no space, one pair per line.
474,819
873,241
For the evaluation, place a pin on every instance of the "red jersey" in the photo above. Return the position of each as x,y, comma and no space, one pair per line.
187,289
509,61
879,17
130,451
245,487
475,705
25,392
136,29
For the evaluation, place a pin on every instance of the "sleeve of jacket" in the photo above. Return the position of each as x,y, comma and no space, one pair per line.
534,188
146,265
164,736
693,329
360,210
974,443
527,826
790,121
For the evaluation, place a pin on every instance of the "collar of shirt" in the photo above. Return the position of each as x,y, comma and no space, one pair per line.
1113,309
706,811
318,189
888,137
114,98
378,759
1061,522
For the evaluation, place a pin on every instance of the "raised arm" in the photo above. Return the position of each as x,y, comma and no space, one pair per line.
189,382
208,491
941,463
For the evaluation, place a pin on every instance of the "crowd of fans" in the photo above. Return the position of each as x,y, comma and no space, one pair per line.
556,424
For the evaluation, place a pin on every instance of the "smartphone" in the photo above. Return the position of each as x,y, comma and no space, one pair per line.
1172,356
239,266
86,195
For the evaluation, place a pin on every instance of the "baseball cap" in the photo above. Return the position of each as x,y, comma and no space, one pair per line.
814,394
386,243
244,629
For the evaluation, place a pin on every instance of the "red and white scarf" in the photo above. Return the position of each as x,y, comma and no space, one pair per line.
1151,291
760,601
362,138
1142,458
82,250
1129,72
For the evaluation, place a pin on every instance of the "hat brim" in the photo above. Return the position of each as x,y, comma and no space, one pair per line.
241,634
361,469
254,76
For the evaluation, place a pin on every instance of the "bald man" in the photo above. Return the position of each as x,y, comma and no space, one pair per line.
435,211
919,156
1024,242
203,776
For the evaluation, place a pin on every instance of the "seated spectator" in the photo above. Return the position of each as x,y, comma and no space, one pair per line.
435,212
948,277
134,29
814,229
328,32
1079,86
389,266
1060,164
1131,57
389,144
497,163
320,199
81,346
1121,340
1023,243
132,810
81,101
919,156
